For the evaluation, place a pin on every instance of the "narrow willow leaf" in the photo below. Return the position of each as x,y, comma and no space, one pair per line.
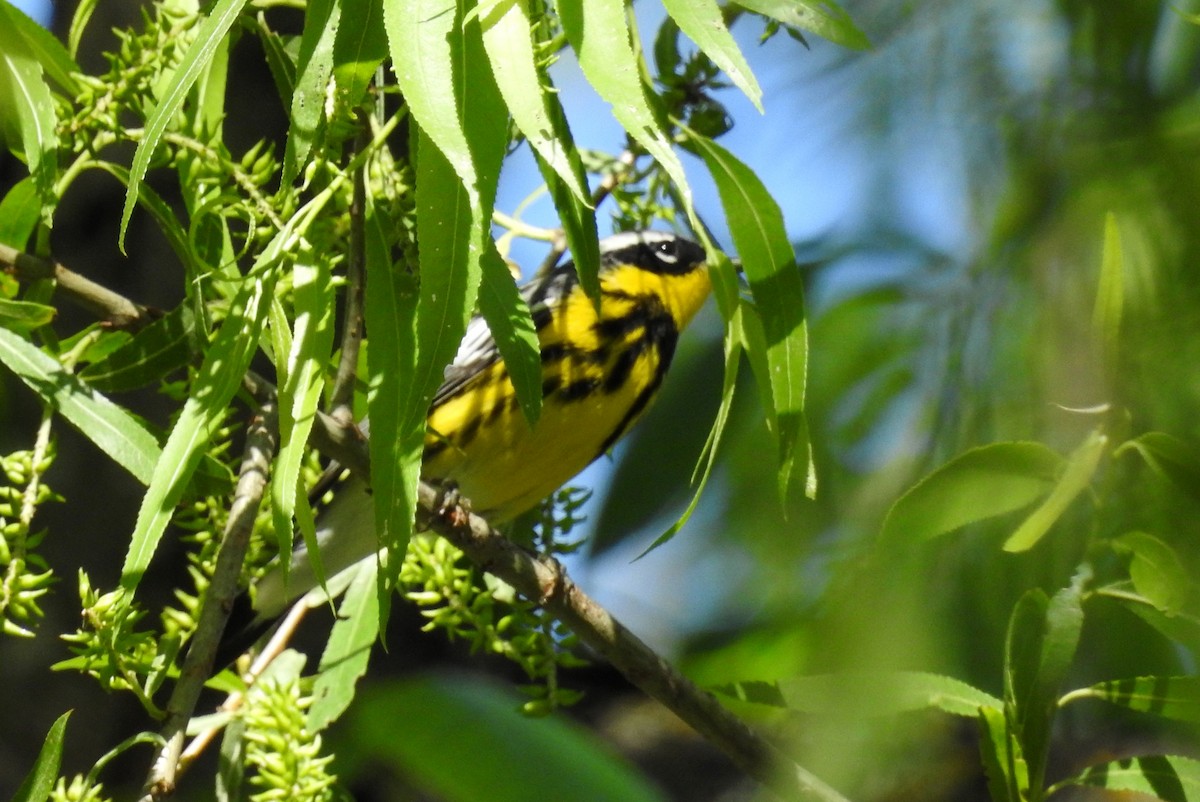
822,17
280,61
1043,636
513,758
708,456
1182,627
756,223
42,45
881,694
510,48
1110,294
1171,778
1169,697
219,377
1156,571
304,359
599,35
425,40
209,39
1075,478
345,658
1007,774
703,22
978,484
314,67
358,49
1169,457
116,432
24,315
508,318
148,356
397,429
27,113
19,213
40,781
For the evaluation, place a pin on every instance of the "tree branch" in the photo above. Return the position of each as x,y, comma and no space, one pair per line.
261,441
545,581
115,309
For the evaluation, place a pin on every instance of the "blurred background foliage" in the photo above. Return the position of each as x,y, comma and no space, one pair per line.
970,159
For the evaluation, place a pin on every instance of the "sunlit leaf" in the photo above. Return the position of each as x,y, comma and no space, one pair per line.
514,758
1156,570
208,41
1075,478
1171,778
702,21
28,117
1043,636
40,781
599,35
19,213
1169,457
24,315
219,377
1170,697
117,433
756,224
310,77
978,484
508,318
1003,763
822,17
345,658
874,694
42,45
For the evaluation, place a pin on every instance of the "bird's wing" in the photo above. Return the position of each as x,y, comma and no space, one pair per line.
478,349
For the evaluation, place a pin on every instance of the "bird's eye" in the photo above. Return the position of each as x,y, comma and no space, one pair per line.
666,252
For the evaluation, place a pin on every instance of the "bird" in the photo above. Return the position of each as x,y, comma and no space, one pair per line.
601,369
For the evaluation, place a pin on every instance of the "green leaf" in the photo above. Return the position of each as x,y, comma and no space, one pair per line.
599,35
358,49
877,694
116,432
1169,697
1169,457
148,356
1182,627
513,758
980,483
314,66
1156,570
756,223
24,315
302,379
822,17
210,37
703,22
219,377
19,213
40,781
27,113
708,456
1167,777
1043,636
1007,773
508,318
349,649
42,45
508,39
397,430
1110,294
1075,478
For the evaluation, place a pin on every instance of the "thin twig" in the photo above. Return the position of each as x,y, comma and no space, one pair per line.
261,441
115,309
544,580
